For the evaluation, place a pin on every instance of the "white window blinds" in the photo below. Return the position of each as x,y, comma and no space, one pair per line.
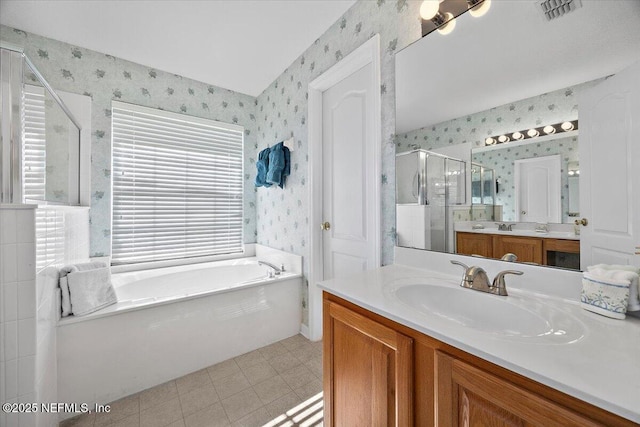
177,185
34,148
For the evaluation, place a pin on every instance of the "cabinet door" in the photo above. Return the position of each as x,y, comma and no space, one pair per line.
469,397
474,244
527,249
368,371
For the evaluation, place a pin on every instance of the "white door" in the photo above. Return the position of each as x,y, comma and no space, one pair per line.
348,161
345,152
538,183
609,152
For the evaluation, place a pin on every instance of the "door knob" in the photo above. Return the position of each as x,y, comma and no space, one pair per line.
582,222
325,226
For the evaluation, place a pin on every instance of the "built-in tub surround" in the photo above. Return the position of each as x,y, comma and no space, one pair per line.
172,321
588,356
34,243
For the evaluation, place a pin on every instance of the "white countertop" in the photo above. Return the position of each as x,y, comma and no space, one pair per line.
525,233
602,367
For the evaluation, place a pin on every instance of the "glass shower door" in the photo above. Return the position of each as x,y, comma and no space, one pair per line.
437,200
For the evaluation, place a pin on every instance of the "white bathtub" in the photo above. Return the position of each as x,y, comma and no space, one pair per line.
172,321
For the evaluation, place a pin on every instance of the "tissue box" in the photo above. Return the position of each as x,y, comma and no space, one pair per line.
605,296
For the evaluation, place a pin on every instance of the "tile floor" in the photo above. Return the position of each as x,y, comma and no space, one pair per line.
278,385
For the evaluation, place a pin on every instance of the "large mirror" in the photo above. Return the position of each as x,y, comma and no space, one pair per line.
498,100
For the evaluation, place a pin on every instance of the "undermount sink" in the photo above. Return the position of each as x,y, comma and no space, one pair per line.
510,317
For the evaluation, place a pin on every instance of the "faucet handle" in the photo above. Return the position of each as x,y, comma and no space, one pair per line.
499,283
465,266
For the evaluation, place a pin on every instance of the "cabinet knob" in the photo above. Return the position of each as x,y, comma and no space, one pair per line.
325,226
582,222
523,212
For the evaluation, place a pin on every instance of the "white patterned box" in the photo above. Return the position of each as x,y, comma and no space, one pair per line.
605,296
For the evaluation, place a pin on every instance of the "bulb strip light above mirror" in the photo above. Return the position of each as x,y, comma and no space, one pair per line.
441,14
536,132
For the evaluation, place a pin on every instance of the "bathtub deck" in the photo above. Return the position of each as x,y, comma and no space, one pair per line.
277,385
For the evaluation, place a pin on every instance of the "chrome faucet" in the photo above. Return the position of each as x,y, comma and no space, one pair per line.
275,271
476,278
509,257
504,227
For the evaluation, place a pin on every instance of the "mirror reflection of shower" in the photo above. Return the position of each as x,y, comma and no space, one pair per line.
483,194
39,132
428,185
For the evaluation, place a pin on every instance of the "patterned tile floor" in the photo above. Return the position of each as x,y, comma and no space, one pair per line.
278,385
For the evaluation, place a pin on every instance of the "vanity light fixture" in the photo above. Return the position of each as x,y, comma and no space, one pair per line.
478,8
561,127
429,9
441,14
449,24
532,133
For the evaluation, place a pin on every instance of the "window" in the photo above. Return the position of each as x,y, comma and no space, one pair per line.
34,148
177,185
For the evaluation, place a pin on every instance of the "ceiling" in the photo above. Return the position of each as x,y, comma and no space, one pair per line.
511,53
239,45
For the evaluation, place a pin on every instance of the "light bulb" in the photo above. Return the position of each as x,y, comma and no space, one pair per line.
549,129
428,9
503,138
533,133
517,136
489,141
567,126
571,173
480,9
449,26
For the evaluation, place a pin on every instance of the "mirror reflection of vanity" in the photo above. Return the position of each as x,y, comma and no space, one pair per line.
503,97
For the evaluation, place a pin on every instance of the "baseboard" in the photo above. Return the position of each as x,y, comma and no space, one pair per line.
304,330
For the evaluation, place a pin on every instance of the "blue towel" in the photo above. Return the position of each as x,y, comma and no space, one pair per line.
279,164
263,166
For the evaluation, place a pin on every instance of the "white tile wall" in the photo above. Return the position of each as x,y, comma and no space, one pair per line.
18,317
34,243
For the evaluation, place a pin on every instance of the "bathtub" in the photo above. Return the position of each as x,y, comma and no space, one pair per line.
172,321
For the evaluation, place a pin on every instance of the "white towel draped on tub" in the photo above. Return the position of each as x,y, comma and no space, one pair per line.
86,288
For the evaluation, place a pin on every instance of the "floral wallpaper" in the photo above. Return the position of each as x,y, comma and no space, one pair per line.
283,215
58,129
547,108
502,162
105,78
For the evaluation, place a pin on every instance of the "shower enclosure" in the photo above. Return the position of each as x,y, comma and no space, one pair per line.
483,194
427,185
40,149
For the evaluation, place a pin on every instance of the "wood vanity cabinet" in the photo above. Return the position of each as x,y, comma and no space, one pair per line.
474,244
380,373
527,249
370,366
